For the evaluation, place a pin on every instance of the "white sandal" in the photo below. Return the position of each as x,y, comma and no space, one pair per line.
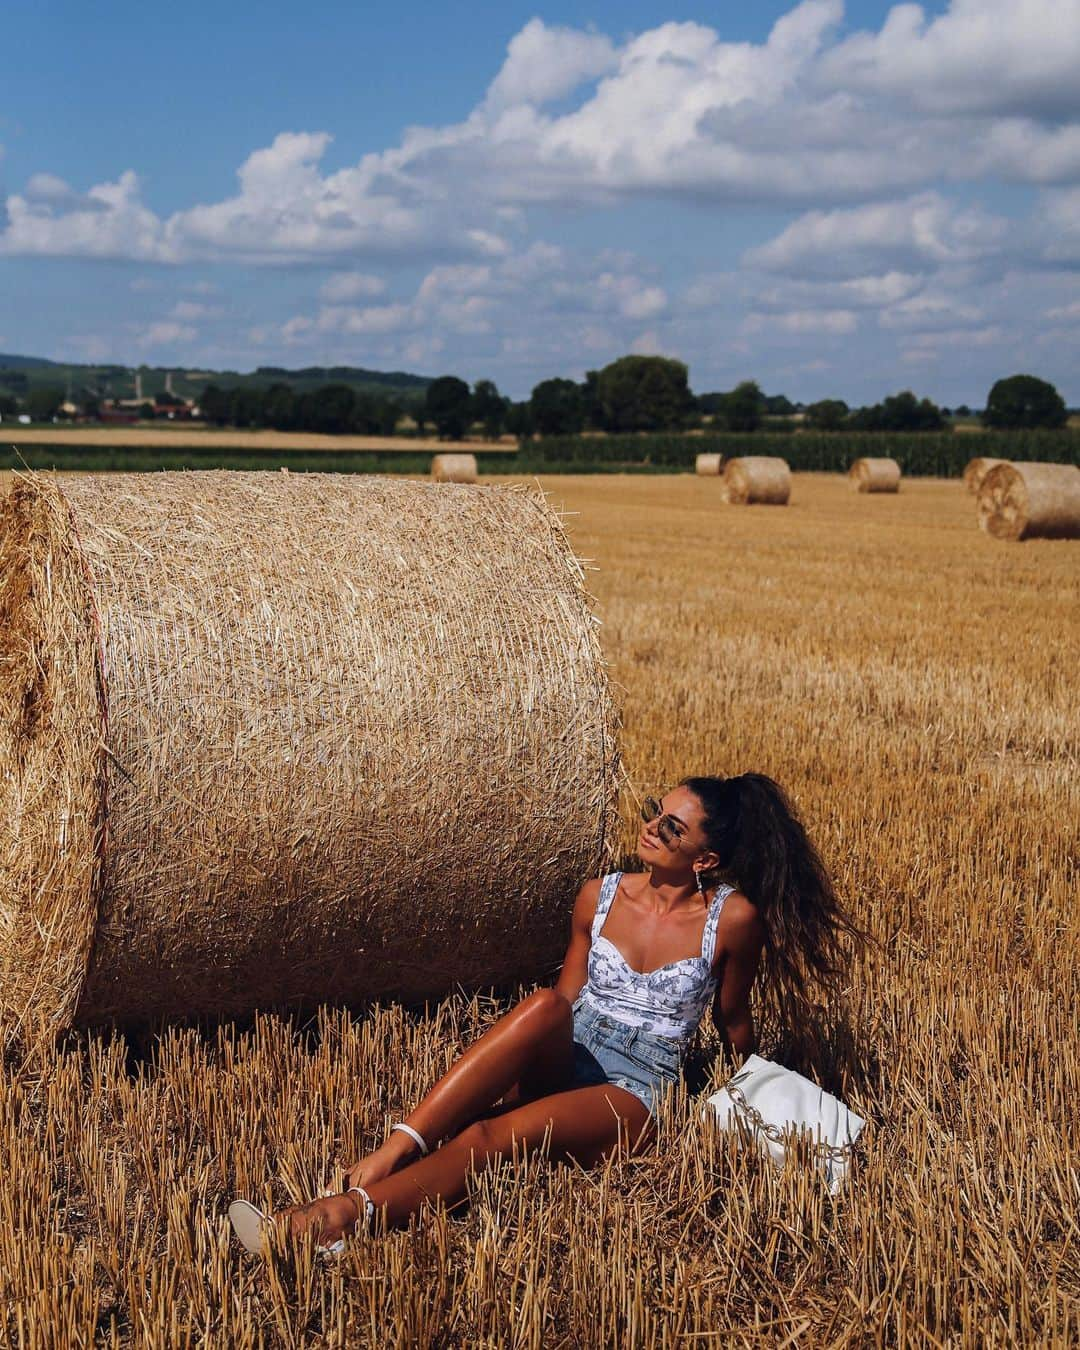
249,1224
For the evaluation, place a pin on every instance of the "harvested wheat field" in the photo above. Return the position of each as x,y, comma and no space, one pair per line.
199,436
912,682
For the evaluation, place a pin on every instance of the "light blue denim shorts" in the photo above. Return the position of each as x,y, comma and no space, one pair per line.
609,1051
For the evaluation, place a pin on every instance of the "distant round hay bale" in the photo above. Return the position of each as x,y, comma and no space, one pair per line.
753,479
1020,500
976,470
454,468
269,739
875,475
708,465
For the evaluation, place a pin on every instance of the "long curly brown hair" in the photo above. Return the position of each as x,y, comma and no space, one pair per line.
764,850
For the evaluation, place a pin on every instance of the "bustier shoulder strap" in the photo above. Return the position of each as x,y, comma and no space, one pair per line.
608,887
712,921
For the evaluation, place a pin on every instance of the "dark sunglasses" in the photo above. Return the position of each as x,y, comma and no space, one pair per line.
668,828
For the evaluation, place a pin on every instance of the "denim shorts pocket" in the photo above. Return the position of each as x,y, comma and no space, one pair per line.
658,1057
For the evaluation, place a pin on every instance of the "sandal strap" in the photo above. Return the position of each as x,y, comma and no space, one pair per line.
414,1135
365,1215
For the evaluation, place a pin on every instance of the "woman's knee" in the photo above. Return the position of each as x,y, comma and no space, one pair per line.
489,1137
477,1141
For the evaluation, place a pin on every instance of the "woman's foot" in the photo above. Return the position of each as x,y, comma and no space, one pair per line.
329,1219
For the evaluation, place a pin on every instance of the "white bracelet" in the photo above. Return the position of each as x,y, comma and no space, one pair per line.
414,1135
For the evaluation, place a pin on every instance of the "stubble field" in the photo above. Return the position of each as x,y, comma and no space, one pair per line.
197,434
913,684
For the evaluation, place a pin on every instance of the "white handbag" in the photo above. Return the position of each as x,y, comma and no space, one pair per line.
772,1106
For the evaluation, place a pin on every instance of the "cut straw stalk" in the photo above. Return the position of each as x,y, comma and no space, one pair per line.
269,739
454,468
875,475
1030,501
757,479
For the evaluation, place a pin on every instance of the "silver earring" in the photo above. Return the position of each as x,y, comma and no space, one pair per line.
700,884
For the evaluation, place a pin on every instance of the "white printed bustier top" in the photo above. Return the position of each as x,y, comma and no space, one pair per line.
669,1001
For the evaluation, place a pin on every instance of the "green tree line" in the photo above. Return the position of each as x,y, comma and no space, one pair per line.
634,394
335,409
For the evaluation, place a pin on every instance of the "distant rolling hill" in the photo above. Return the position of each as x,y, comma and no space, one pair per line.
10,362
19,374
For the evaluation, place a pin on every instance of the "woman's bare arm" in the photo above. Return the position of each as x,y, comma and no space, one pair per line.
740,939
575,965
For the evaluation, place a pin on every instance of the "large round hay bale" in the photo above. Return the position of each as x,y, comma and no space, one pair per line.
1030,501
976,470
269,739
708,465
753,479
875,475
454,468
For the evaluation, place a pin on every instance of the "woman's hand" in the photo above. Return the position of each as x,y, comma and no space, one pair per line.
398,1151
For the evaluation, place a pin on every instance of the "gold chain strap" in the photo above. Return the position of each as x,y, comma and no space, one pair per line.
834,1152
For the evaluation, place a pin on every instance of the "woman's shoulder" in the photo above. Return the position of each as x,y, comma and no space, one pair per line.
591,889
587,900
740,924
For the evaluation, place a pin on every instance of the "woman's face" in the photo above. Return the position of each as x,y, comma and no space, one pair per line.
684,819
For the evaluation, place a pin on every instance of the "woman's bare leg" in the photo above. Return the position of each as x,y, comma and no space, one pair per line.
531,1046
584,1123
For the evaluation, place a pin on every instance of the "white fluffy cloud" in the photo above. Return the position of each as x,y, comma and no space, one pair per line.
897,236
287,211
981,55
545,63
109,221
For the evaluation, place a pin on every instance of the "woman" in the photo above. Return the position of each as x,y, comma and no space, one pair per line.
730,877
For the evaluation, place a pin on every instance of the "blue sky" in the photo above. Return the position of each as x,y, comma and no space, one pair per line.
832,199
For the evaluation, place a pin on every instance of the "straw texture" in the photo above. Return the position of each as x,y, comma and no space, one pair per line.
875,475
454,468
52,757
977,469
754,479
273,738
1031,501
708,465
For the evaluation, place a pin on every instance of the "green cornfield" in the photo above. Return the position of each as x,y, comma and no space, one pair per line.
924,455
